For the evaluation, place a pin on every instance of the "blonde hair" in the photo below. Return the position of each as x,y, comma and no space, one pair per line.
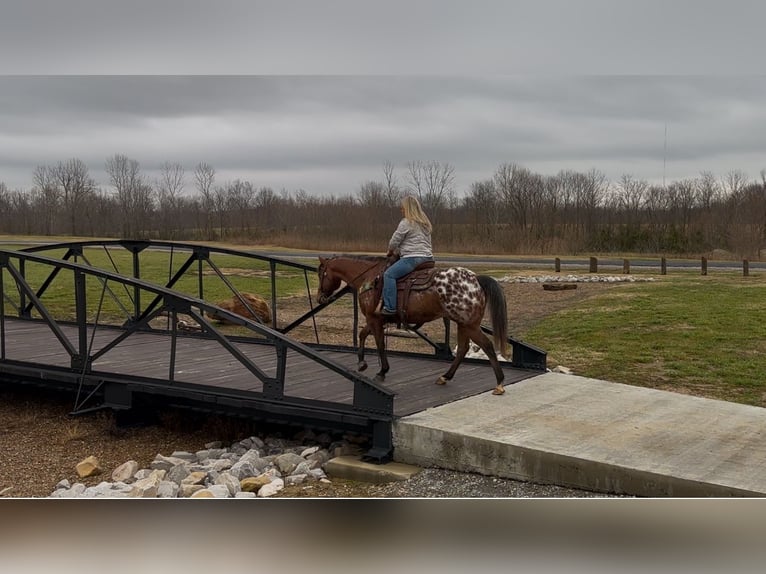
413,212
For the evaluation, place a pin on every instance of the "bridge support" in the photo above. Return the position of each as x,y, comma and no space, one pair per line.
382,450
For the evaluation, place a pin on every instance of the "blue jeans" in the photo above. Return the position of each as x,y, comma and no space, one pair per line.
399,269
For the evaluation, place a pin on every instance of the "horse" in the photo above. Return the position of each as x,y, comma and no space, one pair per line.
455,293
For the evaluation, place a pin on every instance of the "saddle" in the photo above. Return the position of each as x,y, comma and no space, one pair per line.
418,279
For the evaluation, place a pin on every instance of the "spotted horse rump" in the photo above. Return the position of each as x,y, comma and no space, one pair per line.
461,294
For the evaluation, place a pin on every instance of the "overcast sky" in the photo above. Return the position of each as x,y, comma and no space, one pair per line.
318,95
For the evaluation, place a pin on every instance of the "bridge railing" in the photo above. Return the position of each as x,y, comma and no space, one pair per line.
70,298
210,272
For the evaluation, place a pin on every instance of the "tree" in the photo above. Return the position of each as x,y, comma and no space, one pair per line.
372,195
75,186
133,193
393,194
519,191
169,188
431,182
631,194
240,197
204,178
46,195
482,202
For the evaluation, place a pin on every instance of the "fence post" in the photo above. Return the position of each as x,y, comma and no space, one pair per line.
626,266
663,266
704,265
745,267
557,265
593,265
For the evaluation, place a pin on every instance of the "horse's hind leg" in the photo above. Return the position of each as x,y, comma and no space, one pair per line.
362,364
489,349
462,349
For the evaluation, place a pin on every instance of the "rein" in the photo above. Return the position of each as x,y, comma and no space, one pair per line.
367,270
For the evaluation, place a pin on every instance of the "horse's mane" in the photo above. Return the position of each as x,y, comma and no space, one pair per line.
370,258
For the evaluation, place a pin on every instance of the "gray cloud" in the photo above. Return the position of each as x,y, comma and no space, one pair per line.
328,134
446,37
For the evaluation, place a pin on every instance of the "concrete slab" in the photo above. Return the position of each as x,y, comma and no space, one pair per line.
353,468
595,435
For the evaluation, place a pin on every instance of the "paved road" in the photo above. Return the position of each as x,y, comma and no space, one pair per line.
567,263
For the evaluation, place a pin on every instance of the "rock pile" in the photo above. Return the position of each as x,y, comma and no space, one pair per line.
574,279
249,468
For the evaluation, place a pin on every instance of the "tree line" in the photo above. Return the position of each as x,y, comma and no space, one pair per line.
513,210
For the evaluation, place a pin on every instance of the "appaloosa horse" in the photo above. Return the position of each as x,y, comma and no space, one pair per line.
455,293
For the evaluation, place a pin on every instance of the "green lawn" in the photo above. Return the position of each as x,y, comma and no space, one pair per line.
694,334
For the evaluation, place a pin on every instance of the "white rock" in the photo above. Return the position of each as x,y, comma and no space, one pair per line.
230,482
125,471
309,451
219,490
184,455
243,494
167,489
295,479
272,488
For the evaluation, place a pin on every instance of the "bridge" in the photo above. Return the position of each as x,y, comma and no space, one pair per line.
123,325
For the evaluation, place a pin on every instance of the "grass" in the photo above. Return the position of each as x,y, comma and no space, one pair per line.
699,335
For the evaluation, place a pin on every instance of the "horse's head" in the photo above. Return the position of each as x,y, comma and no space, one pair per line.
329,281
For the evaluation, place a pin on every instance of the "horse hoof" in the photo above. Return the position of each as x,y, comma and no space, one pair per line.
362,366
499,390
441,381
380,378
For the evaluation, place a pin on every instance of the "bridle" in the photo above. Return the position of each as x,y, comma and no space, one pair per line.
322,272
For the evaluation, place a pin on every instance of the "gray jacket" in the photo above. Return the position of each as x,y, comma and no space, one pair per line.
411,240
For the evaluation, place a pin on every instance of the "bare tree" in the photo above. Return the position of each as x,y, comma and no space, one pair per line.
204,178
6,214
220,208
48,195
482,203
393,193
734,183
683,197
133,193
431,182
708,190
372,195
169,188
75,186
631,195
240,199
519,191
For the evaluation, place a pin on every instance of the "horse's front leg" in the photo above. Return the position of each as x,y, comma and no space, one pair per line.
363,332
380,341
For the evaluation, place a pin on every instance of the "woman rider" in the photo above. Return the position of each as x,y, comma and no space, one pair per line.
412,239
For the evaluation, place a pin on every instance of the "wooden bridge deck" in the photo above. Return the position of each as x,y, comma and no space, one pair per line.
204,362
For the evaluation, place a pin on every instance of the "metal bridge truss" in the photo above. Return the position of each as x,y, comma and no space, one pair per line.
142,301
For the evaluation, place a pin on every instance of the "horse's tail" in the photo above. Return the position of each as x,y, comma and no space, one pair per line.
498,311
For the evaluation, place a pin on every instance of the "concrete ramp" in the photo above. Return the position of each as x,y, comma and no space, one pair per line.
606,437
